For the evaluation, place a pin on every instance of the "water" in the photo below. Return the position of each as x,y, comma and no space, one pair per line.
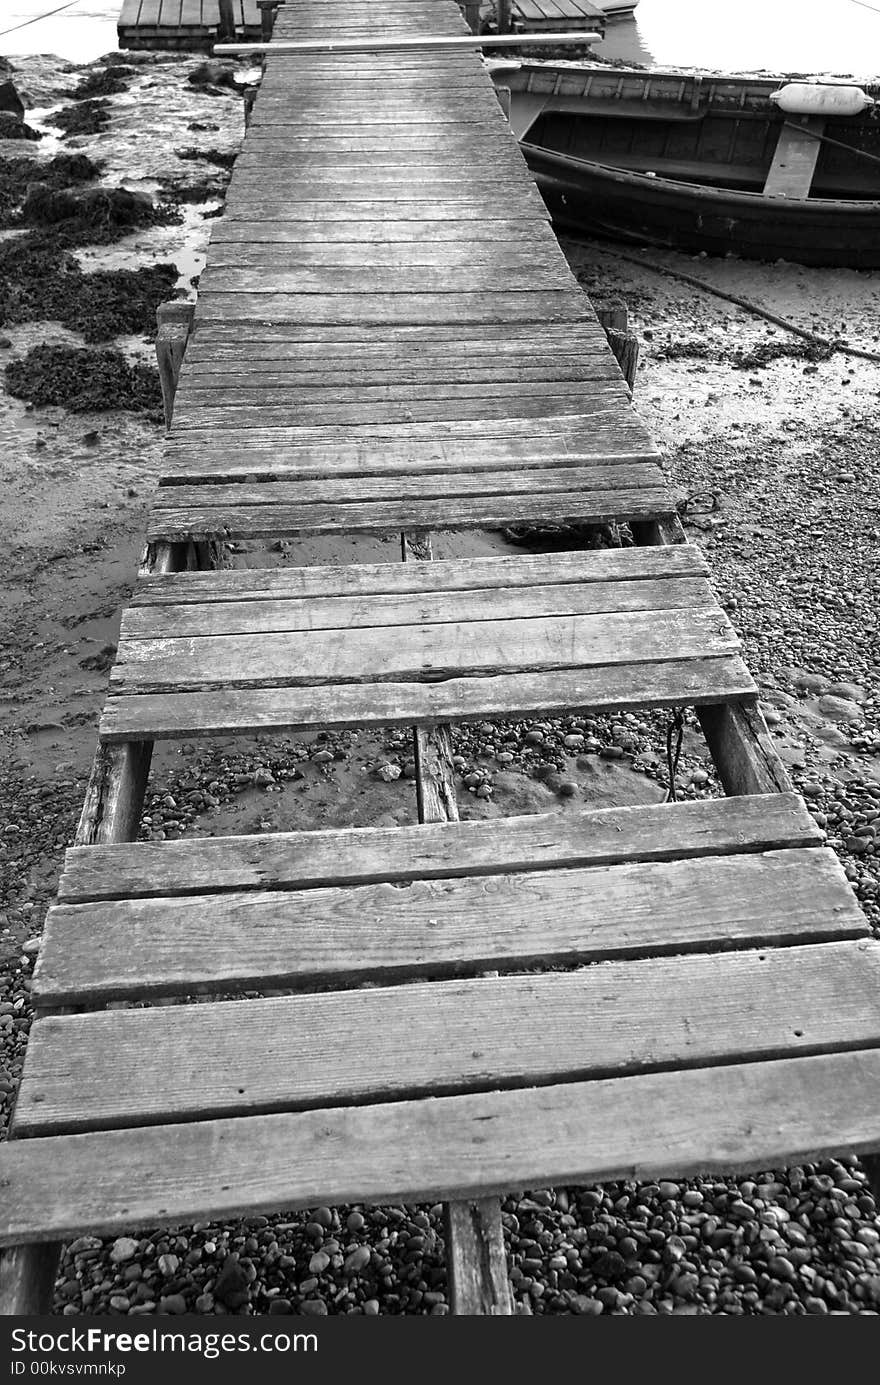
806,36
81,32
809,36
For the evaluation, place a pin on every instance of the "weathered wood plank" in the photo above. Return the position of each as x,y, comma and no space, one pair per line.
368,855
486,512
446,575
683,1124
422,652
140,949
162,621
425,487
223,711
88,1071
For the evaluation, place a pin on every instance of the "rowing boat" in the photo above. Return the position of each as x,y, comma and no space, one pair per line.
746,166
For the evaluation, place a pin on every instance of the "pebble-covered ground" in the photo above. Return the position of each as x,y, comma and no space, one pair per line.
779,477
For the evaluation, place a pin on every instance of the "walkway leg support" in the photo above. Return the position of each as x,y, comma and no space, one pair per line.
111,813
475,1253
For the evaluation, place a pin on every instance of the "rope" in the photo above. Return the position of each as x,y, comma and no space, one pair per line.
863,6
38,17
674,729
813,337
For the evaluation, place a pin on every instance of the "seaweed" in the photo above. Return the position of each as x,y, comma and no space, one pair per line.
40,281
94,216
84,381
64,171
13,127
220,157
209,190
108,81
84,118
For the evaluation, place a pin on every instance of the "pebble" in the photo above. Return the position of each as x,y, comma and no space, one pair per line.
124,1248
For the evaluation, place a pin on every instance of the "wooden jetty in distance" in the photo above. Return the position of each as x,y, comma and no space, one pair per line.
185,24
388,340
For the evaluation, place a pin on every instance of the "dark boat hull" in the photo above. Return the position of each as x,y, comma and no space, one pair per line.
691,217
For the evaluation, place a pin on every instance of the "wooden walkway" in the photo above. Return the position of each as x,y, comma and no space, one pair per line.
388,340
164,24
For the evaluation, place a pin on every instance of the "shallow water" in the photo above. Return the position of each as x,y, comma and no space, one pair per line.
806,36
809,36
80,32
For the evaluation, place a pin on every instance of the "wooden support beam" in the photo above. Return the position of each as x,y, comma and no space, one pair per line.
268,9
226,27
471,10
476,1259
111,813
502,16
736,732
475,1254
625,348
174,322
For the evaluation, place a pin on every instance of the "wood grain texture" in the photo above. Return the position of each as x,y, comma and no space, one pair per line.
340,613
522,571
136,949
430,1038
223,711
683,1124
368,855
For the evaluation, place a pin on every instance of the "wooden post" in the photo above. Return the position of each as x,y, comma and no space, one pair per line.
174,321
268,10
625,349
111,813
503,94
475,1255
502,16
472,15
736,732
613,315
226,27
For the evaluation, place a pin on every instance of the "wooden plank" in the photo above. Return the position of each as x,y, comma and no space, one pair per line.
214,618
342,490
559,305
794,159
369,855
685,1124
224,711
328,375
407,206
485,512
87,1071
446,575
445,256
255,394
140,949
421,652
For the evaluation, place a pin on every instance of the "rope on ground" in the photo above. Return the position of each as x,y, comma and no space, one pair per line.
834,346
674,730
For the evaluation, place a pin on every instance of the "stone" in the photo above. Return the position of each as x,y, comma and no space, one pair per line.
851,692
358,1260
173,1303
839,708
231,1286
125,1248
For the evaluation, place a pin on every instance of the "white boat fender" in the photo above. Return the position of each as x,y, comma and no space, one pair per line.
821,98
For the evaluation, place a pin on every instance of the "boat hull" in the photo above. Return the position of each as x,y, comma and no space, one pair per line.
682,216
